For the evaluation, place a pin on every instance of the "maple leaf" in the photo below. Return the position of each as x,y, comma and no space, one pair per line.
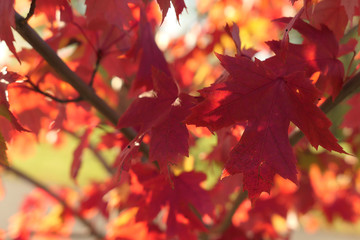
261,219
350,7
268,99
332,14
345,206
160,113
334,199
150,57
233,231
49,7
351,119
95,199
234,33
182,196
125,226
7,20
6,78
226,141
76,163
111,12
164,5
304,199
318,53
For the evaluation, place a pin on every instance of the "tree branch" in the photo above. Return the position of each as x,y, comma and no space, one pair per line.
86,92
31,10
73,211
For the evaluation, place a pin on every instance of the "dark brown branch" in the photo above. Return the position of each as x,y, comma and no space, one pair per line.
86,92
73,211
31,10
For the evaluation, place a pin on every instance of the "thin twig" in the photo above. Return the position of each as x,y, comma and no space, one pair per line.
106,47
73,211
84,34
31,10
96,68
36,88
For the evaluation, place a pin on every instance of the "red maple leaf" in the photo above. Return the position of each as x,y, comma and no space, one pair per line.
77,160
227,139
150,56
7,78
344,205
268,98
183,196
235,233
260,219
94,199
113,12
319,52
160,113
7,20
49,7
234,33
351,119
179,6
350,7
330,13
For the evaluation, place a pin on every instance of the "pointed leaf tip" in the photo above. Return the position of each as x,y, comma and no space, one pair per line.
224,174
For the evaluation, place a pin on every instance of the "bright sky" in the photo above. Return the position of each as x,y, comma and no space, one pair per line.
171,28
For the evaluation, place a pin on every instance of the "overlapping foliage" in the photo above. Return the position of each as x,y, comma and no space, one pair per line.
245,72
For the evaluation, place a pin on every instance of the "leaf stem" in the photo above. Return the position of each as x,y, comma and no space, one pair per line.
73,211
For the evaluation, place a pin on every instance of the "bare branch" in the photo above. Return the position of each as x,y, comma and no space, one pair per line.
73,211
31,10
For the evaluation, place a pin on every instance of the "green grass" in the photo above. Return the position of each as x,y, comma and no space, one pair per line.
52,165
